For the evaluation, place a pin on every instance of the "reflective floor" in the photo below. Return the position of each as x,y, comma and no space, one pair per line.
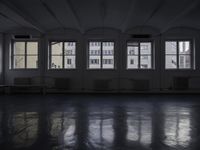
100,122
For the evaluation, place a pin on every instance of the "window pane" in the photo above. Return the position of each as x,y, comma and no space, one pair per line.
56,48
108,55
132,50
70,48
184,61
56,62
132,53
32,48
145,62
70,62
170,47
19,62
132,62
19,48
145,48
94,55
32,61
184,47
170,61
70,52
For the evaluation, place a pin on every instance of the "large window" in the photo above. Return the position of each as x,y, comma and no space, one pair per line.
139,55
101,55
178,55
62,55
24,55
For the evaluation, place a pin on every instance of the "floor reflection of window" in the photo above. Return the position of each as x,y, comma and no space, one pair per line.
25,128
139,128
177,127
63,128
101,134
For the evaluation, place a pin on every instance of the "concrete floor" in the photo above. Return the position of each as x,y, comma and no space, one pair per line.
100,122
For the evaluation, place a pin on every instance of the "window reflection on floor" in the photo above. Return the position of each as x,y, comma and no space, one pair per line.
101,134
24,128
63,128
177,126
139,124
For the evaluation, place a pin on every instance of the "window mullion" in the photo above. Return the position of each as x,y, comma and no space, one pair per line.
152,56
25,55
139,59
101,50
177,50
50,55
12,55
63,62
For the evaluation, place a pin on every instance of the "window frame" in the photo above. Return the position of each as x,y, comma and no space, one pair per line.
139,54
11,56
192,57
63,55
101,56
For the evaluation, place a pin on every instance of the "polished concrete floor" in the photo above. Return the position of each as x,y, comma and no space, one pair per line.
100,122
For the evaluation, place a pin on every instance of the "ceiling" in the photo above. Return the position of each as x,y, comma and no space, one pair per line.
83,15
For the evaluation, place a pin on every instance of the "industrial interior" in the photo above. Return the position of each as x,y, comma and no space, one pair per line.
99,74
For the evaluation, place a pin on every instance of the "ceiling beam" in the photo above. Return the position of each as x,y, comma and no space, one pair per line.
50,11
20,14
154,12
75,15
181,14
126,21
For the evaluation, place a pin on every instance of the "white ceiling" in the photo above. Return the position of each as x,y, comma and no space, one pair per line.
82,15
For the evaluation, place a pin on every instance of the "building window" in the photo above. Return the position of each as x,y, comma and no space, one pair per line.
62,55
24,55
178,55
139,55
101,55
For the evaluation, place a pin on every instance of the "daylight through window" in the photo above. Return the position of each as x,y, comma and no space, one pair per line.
139,55
24,55
101,55
178,55
62,55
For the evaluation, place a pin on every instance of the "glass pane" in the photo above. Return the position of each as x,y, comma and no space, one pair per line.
108,55
19,48
32,61
70,48
56,62
70,62
132,50
95,55
132,62
56,48
170,61
145,62
19,62
32,48
145,48
184,61
184,47
170,47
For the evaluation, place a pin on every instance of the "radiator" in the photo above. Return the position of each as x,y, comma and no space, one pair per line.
22,81
62,83
140,85
180,83
102,84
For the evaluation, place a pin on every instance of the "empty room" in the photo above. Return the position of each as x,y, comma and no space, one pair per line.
99,74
